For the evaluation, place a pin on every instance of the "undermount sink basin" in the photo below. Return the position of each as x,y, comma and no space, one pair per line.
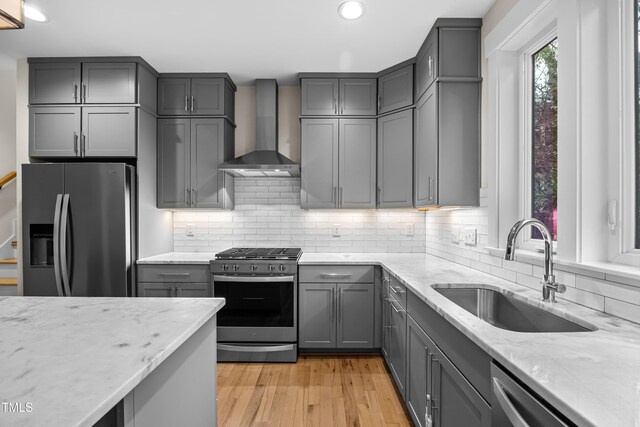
506,312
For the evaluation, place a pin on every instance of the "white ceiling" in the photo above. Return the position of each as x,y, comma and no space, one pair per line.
249,39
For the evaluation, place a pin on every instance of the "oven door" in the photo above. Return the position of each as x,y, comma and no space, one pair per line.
257,308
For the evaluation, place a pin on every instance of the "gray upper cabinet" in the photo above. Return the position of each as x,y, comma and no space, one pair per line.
337,97
108,83
395,160
357,164
54,83
319,163
338,163
74,82
108,132
395,90
105,132
54,131
189,152
450,51
195,96
447,139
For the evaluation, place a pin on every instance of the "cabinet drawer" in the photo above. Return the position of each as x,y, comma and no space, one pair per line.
336,274
164,290
468,358
397,291
174,273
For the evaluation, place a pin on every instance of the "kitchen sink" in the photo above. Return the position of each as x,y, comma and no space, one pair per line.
507,312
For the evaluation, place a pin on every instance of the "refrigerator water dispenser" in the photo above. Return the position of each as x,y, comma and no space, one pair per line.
41,237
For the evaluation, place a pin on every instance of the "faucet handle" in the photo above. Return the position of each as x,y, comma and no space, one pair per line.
560,288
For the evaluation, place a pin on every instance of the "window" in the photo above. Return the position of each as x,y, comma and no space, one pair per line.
544,138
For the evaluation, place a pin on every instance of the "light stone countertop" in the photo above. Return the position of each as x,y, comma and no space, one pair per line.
73,359
591,377
179,258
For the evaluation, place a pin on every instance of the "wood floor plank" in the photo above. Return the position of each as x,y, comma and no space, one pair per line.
318,390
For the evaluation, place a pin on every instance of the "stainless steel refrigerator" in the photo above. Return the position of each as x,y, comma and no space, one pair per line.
78,229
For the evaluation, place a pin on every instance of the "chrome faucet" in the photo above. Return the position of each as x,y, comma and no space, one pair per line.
549,285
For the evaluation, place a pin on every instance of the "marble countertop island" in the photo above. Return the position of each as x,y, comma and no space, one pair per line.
591,377
67,361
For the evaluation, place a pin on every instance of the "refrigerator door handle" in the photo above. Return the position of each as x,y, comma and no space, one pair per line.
64,222
56,244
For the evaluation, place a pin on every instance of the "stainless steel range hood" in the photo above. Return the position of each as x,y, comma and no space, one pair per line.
265,161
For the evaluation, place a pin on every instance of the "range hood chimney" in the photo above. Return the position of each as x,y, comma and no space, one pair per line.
265,161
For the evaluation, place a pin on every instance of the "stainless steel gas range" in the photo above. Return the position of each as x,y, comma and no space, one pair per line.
259,319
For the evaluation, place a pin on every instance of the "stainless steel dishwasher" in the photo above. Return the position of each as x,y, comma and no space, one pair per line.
513,405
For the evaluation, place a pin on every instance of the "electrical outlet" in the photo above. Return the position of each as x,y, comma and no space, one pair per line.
470,236
408,229
190,230
336,230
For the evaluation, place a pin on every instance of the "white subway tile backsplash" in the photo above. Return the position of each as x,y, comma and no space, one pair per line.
267,213
622,309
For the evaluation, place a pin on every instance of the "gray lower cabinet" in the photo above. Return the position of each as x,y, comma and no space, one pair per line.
338,97
75,82
396,359
418,350
395,90
395,160
338,163
447,140
181,281
189,152
336,315
83,131
201,96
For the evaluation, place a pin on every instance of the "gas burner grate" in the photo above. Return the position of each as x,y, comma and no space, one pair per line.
260,253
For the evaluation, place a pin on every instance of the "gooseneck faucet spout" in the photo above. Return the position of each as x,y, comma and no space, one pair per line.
549,285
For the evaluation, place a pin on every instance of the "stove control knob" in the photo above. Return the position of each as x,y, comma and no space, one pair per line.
272,268
236,267
254,267
283,267
225,267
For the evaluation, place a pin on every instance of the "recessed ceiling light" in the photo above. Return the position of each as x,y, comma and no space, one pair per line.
351,10
34,14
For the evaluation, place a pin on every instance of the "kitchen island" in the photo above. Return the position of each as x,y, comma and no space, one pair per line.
69,361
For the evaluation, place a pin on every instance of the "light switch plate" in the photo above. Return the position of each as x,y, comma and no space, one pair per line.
190,230
336,230
408,229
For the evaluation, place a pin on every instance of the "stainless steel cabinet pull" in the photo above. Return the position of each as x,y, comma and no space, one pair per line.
186,196
430,66
379,195
75,143
192,102
430,185
255,349
509,410
379,102
175,274
335,105
84,92
341,199
342,108
336,275
83,145
194,196
333,305
339,305
186,103
75,92
252,279
391,302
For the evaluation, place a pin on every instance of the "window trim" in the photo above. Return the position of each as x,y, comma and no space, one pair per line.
526,53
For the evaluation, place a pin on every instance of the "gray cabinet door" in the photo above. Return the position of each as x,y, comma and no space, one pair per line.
395,160
358,97
426,149
454,400
319,97
207,97
426,64
54,131
386,316
395,90
207,139
174,151
109,83
397,344
193,290
459,52
109,132
317,315
54,83
319,163
355,315
174,97
458,144
418,348
357,171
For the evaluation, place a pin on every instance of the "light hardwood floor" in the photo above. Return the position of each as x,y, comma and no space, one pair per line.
318,390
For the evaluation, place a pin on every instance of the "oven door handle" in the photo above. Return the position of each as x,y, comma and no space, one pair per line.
253,279
256,349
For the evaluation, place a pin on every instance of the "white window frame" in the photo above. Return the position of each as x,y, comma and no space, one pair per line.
526,130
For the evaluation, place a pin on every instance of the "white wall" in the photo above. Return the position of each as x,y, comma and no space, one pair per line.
7,152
